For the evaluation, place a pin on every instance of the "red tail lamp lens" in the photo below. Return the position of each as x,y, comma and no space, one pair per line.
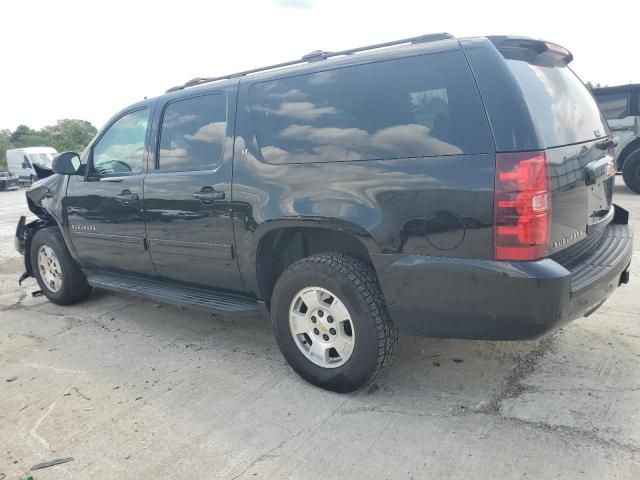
522,209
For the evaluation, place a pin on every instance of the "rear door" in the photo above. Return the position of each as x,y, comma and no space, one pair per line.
187,206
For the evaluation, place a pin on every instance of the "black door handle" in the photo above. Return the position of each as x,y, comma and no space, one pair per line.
606,144
208,195
126,197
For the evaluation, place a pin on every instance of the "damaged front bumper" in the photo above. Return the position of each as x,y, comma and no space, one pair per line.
22,242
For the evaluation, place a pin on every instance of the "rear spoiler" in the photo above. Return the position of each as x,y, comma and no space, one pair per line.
531,50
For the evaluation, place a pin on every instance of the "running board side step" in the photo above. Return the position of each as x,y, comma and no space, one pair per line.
190,297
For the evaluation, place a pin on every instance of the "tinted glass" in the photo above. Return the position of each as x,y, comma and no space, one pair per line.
613,105
120,151
412,107
563,109
193,133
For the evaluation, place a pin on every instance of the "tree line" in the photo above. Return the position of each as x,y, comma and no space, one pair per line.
65,135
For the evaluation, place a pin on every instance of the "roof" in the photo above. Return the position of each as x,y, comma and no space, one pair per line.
311,60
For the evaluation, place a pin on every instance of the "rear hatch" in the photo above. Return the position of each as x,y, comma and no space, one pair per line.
575,141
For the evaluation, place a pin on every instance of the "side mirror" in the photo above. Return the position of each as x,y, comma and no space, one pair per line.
67,163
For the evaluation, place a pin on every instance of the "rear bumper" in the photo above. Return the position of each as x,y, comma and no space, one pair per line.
492,300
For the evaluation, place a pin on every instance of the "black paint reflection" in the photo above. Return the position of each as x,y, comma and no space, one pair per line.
417,107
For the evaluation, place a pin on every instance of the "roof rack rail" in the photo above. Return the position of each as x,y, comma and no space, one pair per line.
315,56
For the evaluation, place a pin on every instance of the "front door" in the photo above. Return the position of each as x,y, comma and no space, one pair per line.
187,203
104,210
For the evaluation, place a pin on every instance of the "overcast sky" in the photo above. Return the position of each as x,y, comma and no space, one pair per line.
88,59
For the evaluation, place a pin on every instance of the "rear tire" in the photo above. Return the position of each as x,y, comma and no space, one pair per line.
631,171
357,345
57,274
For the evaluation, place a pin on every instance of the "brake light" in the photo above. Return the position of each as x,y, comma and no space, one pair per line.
522,206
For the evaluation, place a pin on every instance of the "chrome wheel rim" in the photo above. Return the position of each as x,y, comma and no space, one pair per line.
321,327
49,267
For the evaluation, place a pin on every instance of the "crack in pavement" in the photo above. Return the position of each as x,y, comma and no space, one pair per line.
557,430
565,430
17,304
525,366
269,453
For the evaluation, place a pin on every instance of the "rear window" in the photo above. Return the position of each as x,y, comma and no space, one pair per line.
614,106
412,107
561,106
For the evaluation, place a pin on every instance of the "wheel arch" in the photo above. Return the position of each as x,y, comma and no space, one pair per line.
285,243
30,230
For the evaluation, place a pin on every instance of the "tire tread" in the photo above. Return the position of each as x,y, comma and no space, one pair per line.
75,287
366,283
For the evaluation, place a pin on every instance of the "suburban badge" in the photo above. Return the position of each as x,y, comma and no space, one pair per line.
83,228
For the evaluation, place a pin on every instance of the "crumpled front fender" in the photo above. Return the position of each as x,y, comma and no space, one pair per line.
45,198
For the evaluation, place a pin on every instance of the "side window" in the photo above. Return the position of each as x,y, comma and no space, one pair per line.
193,133
120,151
420,106
613,105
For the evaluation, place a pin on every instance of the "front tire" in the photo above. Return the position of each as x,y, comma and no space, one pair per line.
57,274
331,322
631,171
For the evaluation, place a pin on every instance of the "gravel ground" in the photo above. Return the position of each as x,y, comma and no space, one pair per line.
134,389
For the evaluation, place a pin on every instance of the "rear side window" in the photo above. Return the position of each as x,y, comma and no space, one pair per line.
614,105
412,107
193,133
561,106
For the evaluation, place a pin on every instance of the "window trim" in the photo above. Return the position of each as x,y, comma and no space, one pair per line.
91,173
213,166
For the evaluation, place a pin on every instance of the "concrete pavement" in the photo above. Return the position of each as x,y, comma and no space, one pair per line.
135,389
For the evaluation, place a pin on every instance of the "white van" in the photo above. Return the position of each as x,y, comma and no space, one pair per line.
31,163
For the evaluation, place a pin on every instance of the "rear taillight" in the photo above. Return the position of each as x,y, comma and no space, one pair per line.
522,206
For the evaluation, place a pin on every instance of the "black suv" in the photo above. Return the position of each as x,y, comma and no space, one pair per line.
433,186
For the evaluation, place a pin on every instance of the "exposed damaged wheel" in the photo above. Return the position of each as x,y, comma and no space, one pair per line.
331,322
58,276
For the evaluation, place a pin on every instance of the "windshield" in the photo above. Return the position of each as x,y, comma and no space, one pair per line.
42,159
561,106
